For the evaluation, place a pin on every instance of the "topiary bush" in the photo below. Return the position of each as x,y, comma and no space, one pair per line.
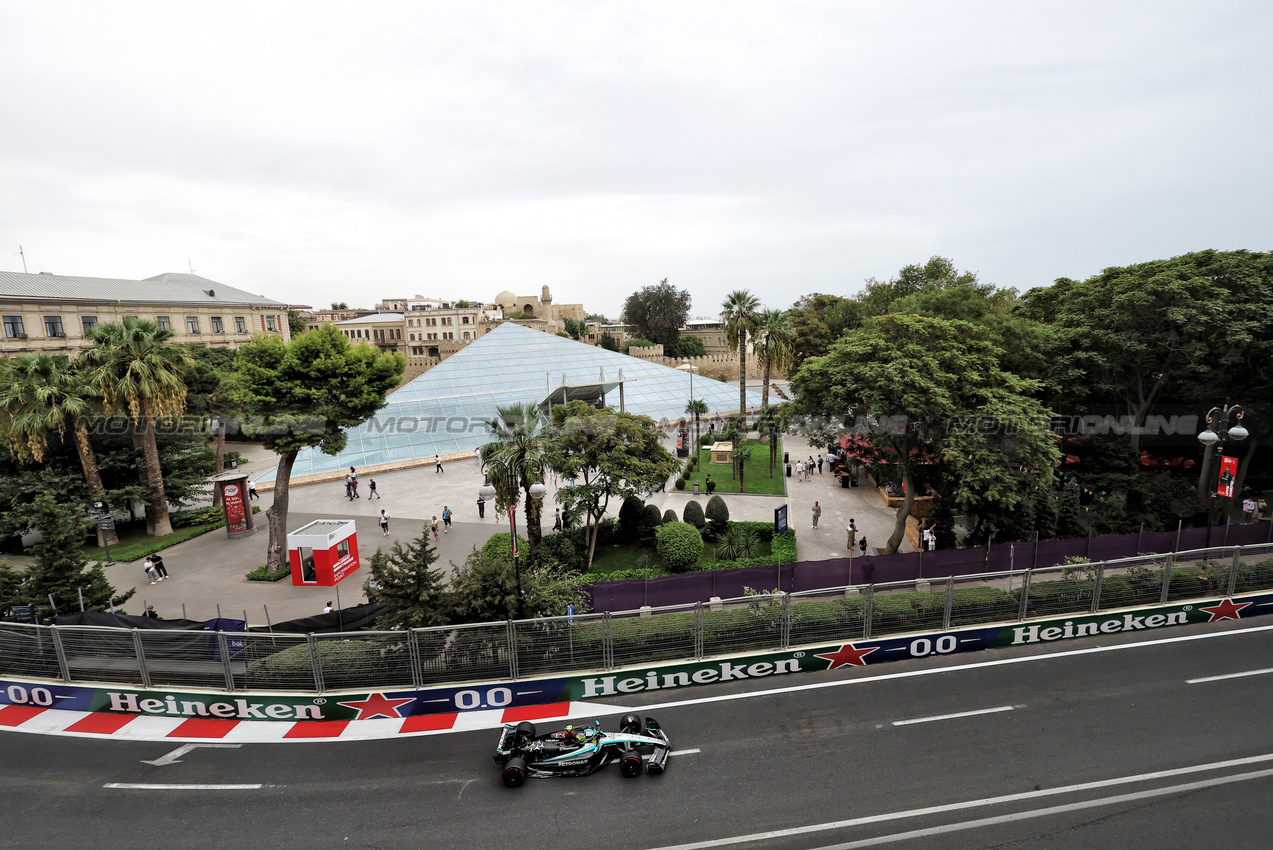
651,518
694,514
680,484
679,546
561,548
717,514
630,518
669,515
498,547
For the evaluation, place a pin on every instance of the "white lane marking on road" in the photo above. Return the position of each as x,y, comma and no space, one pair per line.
988,801
162,786
174,757
907,674
1228,676
1053,810
953,716
684,752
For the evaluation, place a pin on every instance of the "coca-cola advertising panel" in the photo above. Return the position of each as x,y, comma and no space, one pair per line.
1228,475
238,516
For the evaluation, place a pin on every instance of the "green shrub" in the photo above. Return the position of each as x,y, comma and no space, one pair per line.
737,543
620,575
679,545
498,547
693,514
198,516
680,484
669,515
263,573
651,518
630,518
706,439
562,548
717,512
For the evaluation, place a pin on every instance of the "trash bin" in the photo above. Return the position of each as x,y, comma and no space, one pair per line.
844,481
788,470
696,488
785,457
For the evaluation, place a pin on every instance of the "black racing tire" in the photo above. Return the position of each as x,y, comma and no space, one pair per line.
631,724
525,732
515,773
631,764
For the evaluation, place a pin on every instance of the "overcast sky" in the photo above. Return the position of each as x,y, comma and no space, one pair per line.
318,152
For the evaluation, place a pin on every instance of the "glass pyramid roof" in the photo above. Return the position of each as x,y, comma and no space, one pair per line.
445,410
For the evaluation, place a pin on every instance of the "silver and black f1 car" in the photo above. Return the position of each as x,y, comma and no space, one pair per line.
579,751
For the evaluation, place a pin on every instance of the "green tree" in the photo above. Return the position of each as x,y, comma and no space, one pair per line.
637,343
608,455
60,568
520,445
484,589
739,456
136,368
813,336
608,342
696,407
688,346
295,322
207,390
339,305
574,329
552,590
657,312
303,394
411,593
772,342
738,313
679,546
922,386
41,395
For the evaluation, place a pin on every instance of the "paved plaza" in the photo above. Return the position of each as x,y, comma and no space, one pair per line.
209,571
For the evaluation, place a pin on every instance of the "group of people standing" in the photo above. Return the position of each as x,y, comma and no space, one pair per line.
351,487
155,569
804,468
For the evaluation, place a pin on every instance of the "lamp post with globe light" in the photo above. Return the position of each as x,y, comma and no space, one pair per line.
1222,424
508,472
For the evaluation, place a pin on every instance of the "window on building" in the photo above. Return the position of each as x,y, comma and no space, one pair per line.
192,324
13,327
270,324
53,326
217,327
466,334
164,324
89,322
240,325
464,320
134,318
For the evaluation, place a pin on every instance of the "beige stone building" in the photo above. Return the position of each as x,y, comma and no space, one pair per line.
541,307
712,333
383,330
314,318
50,314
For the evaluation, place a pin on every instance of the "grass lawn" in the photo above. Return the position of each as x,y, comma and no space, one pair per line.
134,543
625,556
755,476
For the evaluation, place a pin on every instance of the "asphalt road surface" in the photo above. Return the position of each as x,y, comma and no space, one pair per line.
1099,743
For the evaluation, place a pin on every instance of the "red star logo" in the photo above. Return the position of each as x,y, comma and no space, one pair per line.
1225,609
847,655
377,705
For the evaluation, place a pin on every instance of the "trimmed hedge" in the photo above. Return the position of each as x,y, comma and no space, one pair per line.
693,514
679,545
500,548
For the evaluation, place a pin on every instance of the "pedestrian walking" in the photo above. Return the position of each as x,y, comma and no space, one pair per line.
853,533
437,464
557,521
160,570
862,546
149,566
799,471
819,464
349,487
930,539
481,508
252,490
327,609
1248,508
817,512
477,455
384,523
711,485
434,527
371,489
353,483
446,519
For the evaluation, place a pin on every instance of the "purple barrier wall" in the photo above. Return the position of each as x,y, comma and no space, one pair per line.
630,594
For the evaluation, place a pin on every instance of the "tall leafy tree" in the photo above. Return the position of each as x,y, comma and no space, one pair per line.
207,394
411,592
519,444
42,395
657,312
696,408
303,394
738,313
922,386
813,336
772,341
137,369
608,455
60,569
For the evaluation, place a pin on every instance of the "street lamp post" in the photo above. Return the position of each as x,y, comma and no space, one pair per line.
1222,424
487,492
686,361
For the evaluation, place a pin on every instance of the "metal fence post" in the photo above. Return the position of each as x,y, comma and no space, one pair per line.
1233,570
1024,608
868,612
315,663
141,659
700,629
413,652
225,659
607,641
1166,578
512,650
950,601
61,653
785,639
1096,587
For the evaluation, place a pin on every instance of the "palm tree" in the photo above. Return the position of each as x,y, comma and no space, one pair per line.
773,341
696,407
520,443
738,312
136,371
40,394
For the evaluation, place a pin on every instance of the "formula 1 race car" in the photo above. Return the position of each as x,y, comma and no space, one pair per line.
579,751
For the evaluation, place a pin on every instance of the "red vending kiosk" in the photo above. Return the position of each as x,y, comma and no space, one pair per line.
323,552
